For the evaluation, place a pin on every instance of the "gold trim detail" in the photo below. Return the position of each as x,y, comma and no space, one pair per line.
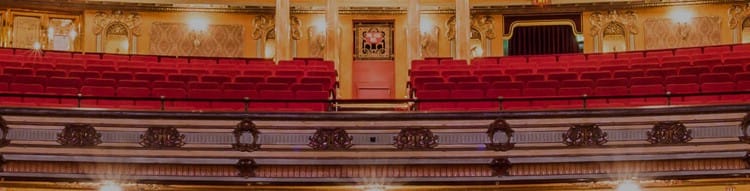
600,21
552,22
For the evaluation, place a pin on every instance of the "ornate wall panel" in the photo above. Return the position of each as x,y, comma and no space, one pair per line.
26,31
373,41
613,31
665,33
177,39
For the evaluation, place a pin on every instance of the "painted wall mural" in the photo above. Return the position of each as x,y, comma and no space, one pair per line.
178,39
665,33
26,31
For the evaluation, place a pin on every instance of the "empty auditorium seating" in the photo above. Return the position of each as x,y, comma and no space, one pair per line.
685,76
61,79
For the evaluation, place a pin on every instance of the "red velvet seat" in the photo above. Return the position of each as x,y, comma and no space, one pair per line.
629,74
83,75
462,79
661,72
134,83
727,69
168,84
182,78
309,106
282,79
151,77
117,76
17,71
260,105
529,77
595,75
562,76
51,73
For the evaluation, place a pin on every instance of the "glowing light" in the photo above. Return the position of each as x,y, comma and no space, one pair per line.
50,32
37,46
73,34
374,187
628,185
110,186
477,51
197,23
319,24
681,15
124,46
426,25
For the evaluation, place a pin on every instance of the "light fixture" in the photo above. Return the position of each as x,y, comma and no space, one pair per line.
37,46
374,187
541,3
110,186
628,185
197,26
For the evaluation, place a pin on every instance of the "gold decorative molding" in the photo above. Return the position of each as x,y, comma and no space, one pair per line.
737,15
599,22
132,20
485,24
263,27
553,22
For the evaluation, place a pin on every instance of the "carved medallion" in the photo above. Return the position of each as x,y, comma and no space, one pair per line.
502,130
669,132
415,139
162,137
4,131
584,135
79,135
330,139
246,168
500,167
244,128
745,138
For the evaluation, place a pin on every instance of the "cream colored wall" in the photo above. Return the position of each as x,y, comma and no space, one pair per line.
718,10
148,18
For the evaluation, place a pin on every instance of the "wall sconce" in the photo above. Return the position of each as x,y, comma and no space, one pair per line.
317,33
197,27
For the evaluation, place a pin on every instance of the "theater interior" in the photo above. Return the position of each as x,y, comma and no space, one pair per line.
375,95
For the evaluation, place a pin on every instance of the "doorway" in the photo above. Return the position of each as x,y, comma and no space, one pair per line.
373,70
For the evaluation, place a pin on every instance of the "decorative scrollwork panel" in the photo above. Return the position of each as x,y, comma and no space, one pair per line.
80,135
415,139
162,137
669,132
246,130
584,135
330,139
500,167
4,130
500,135
246,168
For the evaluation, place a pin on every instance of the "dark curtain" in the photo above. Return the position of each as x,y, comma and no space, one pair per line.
543,40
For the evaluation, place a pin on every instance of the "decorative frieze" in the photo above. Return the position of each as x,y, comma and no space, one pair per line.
669,132
4,133
330,139
584,135
500,135
600,22
415,139
246,168
132,21
162,137
79,135
244,130
500,167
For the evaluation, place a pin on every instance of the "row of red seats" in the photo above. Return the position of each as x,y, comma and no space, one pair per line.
635,55
645,78
478,76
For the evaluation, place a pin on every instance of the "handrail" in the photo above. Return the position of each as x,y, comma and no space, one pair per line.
162,98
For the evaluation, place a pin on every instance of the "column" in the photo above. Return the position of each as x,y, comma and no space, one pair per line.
463,29
333,39
413,31
282,28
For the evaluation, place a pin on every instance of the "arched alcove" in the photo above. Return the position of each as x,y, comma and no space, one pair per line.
116,38
614,38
